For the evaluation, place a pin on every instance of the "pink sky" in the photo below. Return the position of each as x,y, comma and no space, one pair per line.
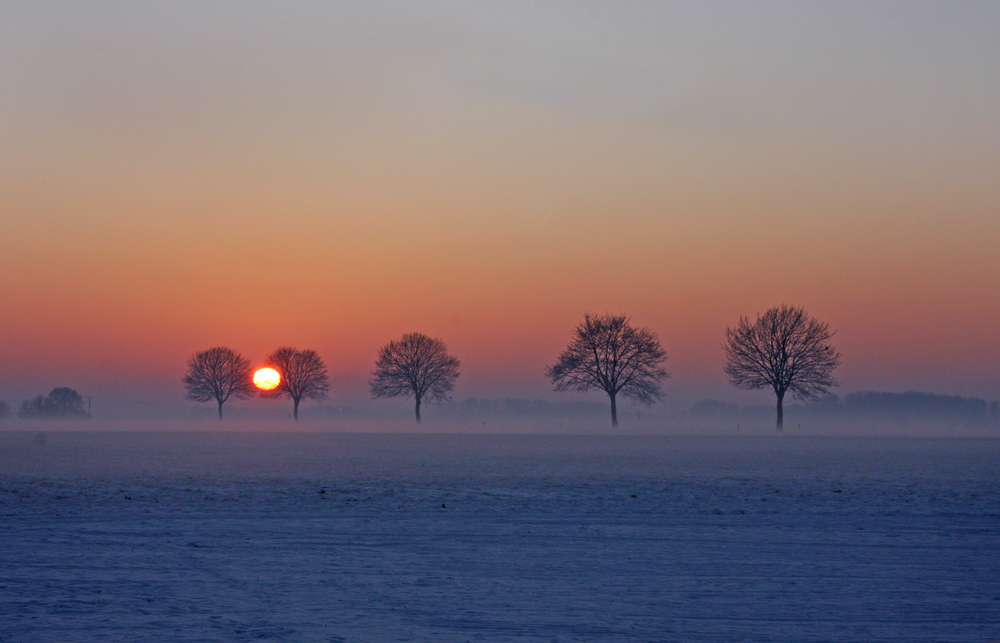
176,179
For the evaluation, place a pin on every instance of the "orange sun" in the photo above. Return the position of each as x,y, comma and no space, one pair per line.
266,379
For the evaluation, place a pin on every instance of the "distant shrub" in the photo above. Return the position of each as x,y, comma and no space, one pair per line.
35,407
62,402
4,409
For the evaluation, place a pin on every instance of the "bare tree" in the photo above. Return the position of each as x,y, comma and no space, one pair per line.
303,375
785,349
609,354
416,366
218,373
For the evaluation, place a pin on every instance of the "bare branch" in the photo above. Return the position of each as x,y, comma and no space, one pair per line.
303,375
218,373
607,353
784,349
415,366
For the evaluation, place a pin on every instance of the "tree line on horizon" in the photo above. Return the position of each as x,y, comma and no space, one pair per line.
784,349
874,405
61,402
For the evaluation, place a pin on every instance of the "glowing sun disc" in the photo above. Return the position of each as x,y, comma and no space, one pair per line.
266,379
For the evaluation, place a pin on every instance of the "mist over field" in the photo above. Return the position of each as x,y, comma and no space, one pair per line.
646,424
864,413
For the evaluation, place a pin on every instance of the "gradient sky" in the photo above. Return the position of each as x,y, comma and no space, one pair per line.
176,176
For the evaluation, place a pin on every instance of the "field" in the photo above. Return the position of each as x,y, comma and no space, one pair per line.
395,537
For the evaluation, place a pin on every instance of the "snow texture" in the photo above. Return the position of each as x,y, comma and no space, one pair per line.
352,537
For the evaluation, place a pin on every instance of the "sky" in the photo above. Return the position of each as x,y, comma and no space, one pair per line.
177,176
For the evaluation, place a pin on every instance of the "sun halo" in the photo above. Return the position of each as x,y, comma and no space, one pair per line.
266,379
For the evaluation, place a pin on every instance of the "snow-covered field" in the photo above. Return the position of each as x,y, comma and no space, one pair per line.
353,537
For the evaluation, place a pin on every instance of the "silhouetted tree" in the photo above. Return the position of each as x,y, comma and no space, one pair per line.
62,402
218,374
4,409
607,353
785,349
303,375
65,402
416,366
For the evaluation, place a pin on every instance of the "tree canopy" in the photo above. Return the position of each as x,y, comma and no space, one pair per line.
218,374
415,366
303,375
607,353
785,349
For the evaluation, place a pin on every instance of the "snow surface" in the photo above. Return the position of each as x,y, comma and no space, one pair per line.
352,537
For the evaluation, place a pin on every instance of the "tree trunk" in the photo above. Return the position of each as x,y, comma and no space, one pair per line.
220,410
781,411
614,411
418,409
295,412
